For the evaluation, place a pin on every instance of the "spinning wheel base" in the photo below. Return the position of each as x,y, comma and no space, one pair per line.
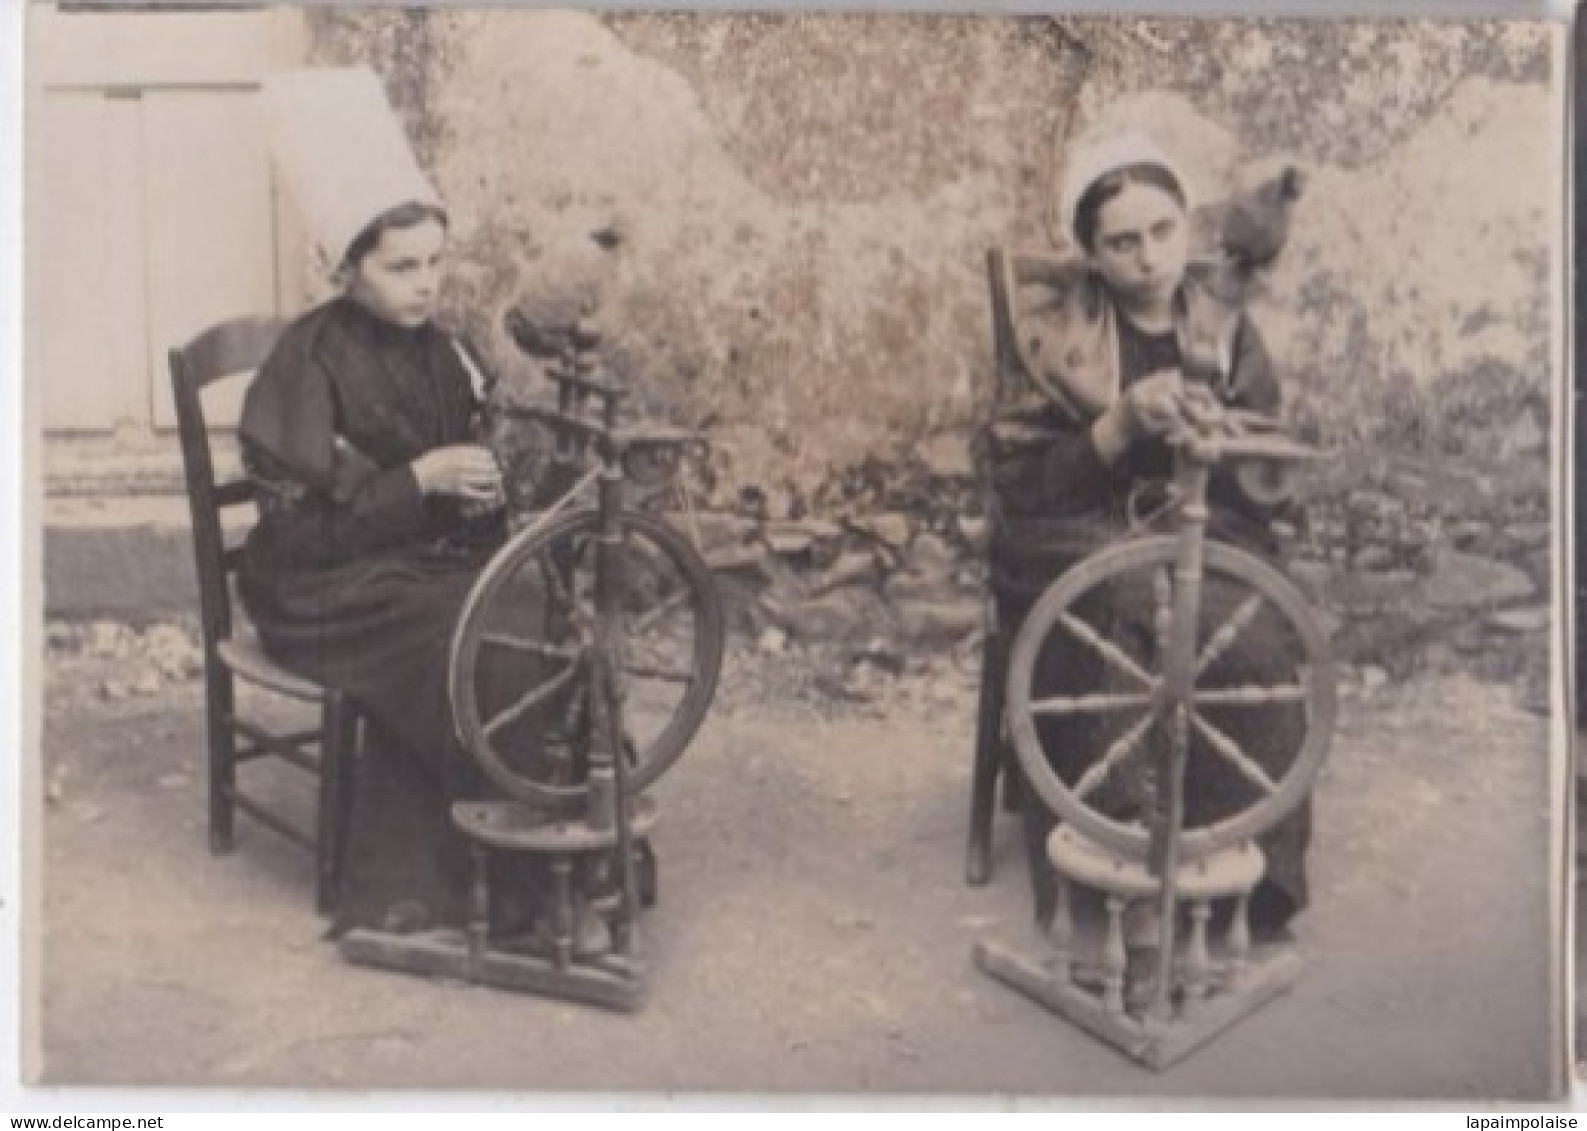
1156,1043
556,968
610,981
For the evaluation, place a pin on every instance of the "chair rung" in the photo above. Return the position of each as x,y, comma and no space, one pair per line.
283,746
302,737
259,813
259,734
235,492
308,763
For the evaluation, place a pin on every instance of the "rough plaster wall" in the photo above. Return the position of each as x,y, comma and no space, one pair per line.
804,200
804,204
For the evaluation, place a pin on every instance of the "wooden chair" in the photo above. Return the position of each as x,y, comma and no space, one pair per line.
1006,270
231,652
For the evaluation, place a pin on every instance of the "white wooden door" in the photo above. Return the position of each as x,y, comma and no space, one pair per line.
210,224
86,323
151,213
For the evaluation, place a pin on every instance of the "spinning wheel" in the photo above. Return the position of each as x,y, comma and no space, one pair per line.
537,601
584,661
1169,699
1142,711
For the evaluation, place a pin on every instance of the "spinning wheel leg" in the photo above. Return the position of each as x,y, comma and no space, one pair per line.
478,907
1198,967
1115,959
562,911
1062,932
1239,940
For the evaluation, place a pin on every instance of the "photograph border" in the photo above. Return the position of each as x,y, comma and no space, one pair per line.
21,588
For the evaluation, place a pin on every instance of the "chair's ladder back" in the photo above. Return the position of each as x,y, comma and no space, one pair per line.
235,347
1006,357
199,469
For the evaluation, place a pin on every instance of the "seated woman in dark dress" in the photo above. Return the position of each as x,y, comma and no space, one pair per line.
360,429
379,505
1115,342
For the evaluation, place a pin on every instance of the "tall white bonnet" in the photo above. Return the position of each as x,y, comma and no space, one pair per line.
339,149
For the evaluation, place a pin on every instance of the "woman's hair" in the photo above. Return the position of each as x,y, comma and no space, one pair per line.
409,215
1088,210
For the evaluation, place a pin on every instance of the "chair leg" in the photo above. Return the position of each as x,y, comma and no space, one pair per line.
989,757
352,750
338,742
220,708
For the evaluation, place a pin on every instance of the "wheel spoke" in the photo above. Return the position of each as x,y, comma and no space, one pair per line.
565,652
1223,639
532,699
1121,749
1229,750
1110,652
643,622
1088,704
1250,695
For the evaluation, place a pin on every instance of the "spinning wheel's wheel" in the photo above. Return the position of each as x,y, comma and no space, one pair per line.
525,650
1111,613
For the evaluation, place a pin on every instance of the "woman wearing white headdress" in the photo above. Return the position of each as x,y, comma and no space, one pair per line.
379,505
1115,341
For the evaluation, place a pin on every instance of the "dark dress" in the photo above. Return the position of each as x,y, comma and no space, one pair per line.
354,578
1056,502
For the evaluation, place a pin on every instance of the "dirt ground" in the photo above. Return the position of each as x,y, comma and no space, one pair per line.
814,931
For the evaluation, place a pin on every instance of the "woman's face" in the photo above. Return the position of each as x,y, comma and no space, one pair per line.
1141,243
400,279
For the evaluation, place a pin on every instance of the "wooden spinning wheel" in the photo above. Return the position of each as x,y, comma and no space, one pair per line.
1198,710
584,660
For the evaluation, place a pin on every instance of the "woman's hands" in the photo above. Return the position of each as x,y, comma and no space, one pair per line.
1152,406
1156,404
467,472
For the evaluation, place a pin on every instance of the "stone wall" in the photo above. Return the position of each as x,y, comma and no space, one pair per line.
793,212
